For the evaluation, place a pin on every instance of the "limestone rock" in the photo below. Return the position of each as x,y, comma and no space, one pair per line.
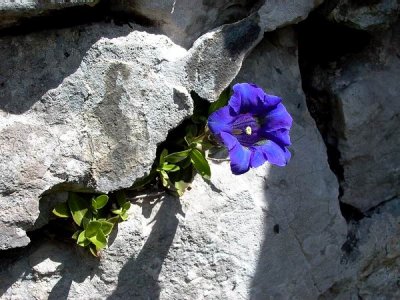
275,231
184,21
13,12
365,15
275,14
94,104
94,124
364,90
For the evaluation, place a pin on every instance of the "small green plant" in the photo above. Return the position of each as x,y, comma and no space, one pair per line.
93,217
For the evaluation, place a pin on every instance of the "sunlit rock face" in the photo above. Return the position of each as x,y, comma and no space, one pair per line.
84,108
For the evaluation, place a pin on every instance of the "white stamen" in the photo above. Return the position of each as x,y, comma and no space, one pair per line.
248,130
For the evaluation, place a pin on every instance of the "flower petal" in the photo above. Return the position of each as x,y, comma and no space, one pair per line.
239,155
220,121
257,157
228,140
278,118
240,159
280,136
270,101
275,154
246,98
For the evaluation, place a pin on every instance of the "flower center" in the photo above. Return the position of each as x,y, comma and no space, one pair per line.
248,130
245,129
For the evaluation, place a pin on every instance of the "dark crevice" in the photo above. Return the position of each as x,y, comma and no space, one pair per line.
323,47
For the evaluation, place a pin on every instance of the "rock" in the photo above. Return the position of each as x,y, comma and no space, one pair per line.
276,14
14,12
371,257
220,241
95,123
185,21
364,15
363,90
95,104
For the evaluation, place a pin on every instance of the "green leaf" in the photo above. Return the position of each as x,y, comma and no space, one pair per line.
164,178
221,102
126,206
92,228
106,227
200,163
82,240
170,168
79,208
163,154
99,240
113,220
100,201
181,187
85,222
124,216
76,234
121,198
177,156
117,211
145,180
61,210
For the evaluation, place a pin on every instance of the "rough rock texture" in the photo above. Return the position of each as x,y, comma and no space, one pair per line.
185,21
99,127
225,242
371,257
364,91
13,12
84,108
364,15
96,104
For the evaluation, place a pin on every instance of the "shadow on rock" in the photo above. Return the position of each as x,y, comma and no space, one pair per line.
138,279
45,258
32,64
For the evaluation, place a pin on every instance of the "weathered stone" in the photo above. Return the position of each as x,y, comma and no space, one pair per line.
275,14
275,231
13,12
97,127
371,257
364,91
184,21
98,106
365,15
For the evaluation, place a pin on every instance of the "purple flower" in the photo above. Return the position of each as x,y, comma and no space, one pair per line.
254,127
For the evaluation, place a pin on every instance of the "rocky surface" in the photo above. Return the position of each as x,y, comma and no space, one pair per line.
13,13
367,139
364,15
84,108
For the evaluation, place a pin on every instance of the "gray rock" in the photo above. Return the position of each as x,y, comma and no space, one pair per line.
94,105
97,127
371,257
13,12
364,90
275,14
365,15
185,21
275,231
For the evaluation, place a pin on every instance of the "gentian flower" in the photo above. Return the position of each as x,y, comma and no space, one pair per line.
254,127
